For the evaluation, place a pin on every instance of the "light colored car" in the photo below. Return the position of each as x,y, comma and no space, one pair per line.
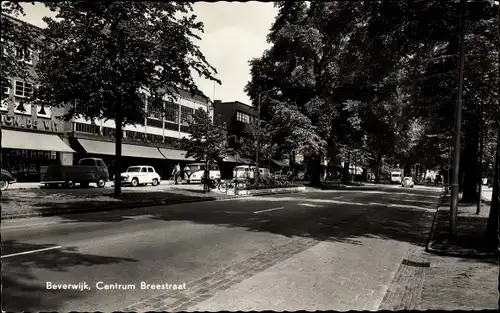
198,171
408,182
248,172
140,175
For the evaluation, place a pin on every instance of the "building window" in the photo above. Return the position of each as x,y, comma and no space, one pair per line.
153,122
24,54
171,126
153,111
242,117
87,128
186,113
78,109
5,88
172,112
23,89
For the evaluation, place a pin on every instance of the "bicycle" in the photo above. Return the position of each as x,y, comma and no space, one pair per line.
225,186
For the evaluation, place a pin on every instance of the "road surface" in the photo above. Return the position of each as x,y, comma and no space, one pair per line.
199,248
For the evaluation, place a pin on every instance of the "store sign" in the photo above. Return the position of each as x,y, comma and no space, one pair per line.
28,122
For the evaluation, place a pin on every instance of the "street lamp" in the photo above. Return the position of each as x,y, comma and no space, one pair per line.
458,127
258,129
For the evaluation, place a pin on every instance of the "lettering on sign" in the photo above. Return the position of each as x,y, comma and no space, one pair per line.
26,122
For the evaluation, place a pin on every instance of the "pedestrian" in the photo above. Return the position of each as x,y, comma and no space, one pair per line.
176,173
187,172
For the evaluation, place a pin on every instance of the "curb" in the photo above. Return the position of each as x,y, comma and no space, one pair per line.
126,206
430,249
112,207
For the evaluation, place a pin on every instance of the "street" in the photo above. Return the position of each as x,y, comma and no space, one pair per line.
348,243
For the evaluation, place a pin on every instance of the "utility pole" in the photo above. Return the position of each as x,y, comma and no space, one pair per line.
481,148
458,127
257,151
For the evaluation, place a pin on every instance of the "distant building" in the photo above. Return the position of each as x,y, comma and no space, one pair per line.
238,118
34,135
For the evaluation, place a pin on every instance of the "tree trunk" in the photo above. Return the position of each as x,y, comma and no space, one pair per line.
470,167
315,167
347,165
493,223
206,177
377,169
1,155
118,152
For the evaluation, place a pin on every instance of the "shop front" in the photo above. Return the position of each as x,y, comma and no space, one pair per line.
163,159
28,144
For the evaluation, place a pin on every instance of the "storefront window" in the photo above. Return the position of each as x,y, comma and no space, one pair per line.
25,164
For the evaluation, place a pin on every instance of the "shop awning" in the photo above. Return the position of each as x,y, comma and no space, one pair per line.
108,148
14,139
282,163
173,154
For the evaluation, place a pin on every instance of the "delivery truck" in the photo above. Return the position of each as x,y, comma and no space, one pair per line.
88,170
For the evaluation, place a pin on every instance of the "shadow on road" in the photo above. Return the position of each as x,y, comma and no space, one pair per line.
331,216
22,288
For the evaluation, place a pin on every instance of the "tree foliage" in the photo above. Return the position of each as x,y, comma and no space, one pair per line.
113,51
378,76
100,58
207,142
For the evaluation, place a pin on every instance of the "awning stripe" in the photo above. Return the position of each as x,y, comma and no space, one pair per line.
108,148
172,154
14,139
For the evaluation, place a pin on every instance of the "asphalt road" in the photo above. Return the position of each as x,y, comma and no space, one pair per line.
182,243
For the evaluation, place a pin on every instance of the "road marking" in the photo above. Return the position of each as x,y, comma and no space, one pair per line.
273,209
29,252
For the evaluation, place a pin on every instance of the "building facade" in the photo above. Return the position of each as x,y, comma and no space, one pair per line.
153,142
35,135
238,118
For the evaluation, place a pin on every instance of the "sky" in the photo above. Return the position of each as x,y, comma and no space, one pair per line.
235,32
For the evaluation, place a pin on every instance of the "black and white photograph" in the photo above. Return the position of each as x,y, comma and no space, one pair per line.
189,156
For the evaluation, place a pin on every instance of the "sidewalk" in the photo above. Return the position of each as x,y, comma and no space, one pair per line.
44,202
470,231
463,272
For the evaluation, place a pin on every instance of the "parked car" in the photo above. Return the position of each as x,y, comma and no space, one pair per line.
6,179
281,175
88,170
140,175
198,171
408,182
248,172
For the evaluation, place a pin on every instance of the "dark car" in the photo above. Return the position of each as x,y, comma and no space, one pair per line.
6,179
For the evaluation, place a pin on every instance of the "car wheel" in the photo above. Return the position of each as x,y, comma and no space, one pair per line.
4,185
155,182
101,183
135,182
70,184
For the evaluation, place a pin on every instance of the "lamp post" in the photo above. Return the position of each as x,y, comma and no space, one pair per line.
257,151
458,128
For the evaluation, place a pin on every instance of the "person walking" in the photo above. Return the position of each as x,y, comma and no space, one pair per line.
187,172
176,173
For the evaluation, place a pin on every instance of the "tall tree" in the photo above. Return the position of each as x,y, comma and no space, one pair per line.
17,38
100,58
207,142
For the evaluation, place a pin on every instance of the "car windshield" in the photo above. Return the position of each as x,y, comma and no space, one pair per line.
134,169
195,167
